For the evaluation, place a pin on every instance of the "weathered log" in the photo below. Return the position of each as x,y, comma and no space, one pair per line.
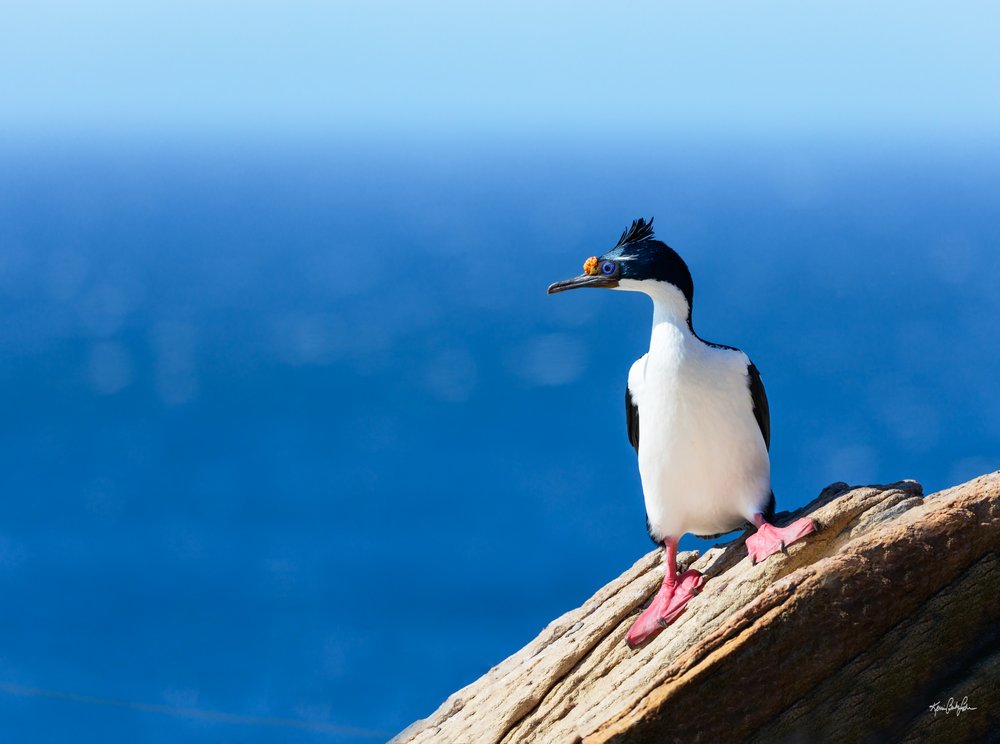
851,635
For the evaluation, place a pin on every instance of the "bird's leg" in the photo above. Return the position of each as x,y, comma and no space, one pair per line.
669,602
768,539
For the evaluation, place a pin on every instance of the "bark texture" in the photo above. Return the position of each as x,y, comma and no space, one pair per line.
851,635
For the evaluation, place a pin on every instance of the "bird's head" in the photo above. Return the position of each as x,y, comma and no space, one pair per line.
638,263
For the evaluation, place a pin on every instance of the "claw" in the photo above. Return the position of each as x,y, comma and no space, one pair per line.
666,607
769,539
674,594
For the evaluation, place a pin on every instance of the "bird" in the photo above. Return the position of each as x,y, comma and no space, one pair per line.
698,417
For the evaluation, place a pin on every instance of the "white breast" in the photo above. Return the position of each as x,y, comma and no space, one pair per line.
702,459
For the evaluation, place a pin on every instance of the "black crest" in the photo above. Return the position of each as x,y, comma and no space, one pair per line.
640,230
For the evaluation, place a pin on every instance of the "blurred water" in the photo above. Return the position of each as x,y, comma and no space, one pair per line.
295,432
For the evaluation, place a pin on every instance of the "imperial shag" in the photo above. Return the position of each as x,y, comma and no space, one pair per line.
698,418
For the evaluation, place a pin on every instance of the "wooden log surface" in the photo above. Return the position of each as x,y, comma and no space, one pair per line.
851,635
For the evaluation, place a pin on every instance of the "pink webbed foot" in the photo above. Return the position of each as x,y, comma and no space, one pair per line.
666,607
768,539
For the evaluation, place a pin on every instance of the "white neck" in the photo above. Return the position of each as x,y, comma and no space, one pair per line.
670,307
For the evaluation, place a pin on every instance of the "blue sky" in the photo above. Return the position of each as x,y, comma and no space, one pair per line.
319,68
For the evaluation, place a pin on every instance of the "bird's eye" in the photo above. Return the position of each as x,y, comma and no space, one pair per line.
608,268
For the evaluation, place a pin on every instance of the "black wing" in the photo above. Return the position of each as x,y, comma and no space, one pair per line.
632,422
761,412
632,419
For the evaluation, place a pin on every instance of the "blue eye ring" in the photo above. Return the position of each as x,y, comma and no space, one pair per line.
608,268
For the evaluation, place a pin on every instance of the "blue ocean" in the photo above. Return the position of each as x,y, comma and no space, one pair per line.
294,444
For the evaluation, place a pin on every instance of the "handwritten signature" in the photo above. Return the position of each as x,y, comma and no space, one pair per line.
950,706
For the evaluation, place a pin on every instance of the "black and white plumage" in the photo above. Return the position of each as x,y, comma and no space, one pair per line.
696,412
698,417
699,377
